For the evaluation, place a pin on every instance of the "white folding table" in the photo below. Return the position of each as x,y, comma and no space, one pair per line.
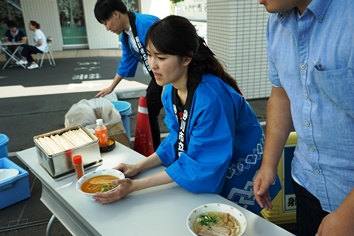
161,210
11,55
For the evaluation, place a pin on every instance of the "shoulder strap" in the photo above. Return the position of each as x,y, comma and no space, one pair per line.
141,49
182,139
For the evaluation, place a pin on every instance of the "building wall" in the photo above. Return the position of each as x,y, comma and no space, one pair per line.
236,34
97,35
45,12
159,8
194,10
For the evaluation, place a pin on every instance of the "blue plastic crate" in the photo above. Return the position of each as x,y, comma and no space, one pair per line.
15,189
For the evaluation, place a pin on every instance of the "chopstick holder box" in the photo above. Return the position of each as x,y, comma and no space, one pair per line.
59,165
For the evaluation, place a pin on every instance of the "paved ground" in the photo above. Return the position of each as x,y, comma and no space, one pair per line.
24,116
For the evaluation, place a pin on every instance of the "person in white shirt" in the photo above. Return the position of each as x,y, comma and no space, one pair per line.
40,47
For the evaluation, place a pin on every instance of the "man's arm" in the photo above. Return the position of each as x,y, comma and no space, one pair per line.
341,221
6,37
279,125
108,90
23,39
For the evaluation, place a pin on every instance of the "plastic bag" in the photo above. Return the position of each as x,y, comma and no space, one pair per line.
85,112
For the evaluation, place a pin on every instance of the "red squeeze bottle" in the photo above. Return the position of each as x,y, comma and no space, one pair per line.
101,133
79,168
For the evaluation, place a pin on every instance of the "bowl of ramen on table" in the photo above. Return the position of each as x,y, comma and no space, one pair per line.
98,181
216,219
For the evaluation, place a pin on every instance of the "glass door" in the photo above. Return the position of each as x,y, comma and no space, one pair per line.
10,11
72,22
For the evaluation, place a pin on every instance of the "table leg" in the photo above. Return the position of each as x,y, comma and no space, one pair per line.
12,56
50,225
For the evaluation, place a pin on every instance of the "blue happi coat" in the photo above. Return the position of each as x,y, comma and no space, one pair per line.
225,144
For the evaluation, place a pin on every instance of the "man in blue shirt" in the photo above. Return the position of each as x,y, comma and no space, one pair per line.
132,28
13,34
310,46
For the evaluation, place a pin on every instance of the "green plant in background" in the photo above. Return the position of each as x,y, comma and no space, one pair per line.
131,5
176,1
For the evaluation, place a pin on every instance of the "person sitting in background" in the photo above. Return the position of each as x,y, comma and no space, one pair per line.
40,47
14,35
215,140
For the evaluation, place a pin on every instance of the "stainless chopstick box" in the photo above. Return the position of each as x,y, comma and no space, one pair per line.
59,165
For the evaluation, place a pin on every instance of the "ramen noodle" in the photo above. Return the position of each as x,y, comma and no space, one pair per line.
216,224
100,183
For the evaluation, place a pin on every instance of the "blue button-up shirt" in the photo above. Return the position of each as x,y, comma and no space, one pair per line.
312,57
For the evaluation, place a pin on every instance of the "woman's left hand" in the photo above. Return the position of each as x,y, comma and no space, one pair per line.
126,186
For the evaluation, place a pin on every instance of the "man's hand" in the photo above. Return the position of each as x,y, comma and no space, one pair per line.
265,177
104,92
337,223
341,221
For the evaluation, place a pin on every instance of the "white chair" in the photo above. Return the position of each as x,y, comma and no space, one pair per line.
48,52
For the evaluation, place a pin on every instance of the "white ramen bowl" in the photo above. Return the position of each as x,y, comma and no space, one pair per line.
87,176
216,207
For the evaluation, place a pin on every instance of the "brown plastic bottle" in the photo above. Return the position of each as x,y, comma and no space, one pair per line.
79,168
101,133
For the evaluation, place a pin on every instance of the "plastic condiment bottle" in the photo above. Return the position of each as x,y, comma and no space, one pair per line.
101,133
79,168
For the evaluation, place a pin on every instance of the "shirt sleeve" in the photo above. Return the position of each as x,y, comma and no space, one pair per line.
129,63
8,35
272,71
21,34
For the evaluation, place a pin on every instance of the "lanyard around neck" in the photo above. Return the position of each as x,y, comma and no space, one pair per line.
181,139
141,49
14,34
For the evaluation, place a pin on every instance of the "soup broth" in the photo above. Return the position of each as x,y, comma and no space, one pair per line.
100,183
216,223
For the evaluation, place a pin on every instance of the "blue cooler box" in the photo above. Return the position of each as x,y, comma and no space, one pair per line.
3,145
14,189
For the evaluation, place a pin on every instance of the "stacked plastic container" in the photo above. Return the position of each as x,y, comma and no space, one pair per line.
125,110
15,188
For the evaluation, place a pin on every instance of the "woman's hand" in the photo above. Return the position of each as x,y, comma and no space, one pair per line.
127,169
126,186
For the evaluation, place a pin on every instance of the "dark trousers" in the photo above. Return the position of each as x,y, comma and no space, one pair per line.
153,99
28,50
309,213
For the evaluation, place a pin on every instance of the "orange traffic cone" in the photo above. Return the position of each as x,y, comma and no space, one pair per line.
143,139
